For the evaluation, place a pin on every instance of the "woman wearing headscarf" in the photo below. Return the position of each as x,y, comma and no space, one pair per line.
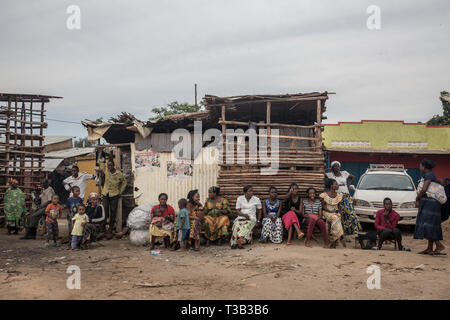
95,226
216,219
428,223
196,215
349,218
248,208
15,207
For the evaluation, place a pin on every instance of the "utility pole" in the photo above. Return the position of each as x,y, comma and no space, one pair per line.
195,88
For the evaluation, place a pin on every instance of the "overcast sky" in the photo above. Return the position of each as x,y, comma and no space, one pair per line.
135,55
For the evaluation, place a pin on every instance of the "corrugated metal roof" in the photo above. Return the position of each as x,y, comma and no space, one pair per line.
69,153
51,164
56,139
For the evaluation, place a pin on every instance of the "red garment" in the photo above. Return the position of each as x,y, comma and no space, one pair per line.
290,218
168,212
312,222
381,223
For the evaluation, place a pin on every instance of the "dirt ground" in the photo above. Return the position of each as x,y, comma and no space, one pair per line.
116,269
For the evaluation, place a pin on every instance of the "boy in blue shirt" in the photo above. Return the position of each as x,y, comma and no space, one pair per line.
72,204
183,226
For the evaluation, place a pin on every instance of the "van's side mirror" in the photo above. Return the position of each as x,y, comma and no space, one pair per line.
352,187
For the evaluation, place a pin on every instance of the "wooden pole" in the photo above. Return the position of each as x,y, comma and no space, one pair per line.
268,110
319,122
119,215
224,130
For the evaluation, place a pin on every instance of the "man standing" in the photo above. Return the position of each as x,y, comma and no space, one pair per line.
32,219
77,179
114,186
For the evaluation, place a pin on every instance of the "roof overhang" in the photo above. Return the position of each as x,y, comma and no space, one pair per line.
391,151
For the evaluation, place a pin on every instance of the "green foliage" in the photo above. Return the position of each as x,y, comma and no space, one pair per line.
175,108
439,120
83,143
99,119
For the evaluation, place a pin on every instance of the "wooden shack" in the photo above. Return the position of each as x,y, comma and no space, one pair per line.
298,117
22,124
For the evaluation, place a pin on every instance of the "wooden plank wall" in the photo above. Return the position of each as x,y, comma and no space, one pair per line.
304,166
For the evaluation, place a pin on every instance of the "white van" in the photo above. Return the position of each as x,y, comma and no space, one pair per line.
381,181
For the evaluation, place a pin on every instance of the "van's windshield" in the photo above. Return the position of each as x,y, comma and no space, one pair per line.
385,182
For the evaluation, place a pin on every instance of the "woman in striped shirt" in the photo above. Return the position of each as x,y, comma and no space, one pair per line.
311,209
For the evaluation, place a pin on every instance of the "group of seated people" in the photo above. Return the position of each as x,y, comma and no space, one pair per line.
275,217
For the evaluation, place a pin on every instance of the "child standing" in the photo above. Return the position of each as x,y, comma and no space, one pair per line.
183,225
72,204
79,223
53,212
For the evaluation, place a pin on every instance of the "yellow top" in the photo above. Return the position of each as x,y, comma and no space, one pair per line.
115,183
77,227
331,204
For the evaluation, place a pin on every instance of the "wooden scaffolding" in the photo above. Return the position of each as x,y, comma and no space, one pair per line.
301,157
22,123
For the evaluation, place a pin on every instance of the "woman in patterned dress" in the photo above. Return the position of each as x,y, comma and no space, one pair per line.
331,203
15,208
272,223
248,208
350,220
216,219
428,223
196,215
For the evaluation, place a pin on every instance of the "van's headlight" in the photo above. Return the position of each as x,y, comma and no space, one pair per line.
362,203
408,205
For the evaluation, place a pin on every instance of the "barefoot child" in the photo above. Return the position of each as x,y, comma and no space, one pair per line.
157,228
72,204
53,212
183,225
79,223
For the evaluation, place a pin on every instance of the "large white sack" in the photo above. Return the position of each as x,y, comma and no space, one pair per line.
139,237
139,218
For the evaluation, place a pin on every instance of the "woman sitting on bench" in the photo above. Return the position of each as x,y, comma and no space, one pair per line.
311,209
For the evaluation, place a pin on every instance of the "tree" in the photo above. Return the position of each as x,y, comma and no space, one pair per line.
443,120
83,143
175,108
